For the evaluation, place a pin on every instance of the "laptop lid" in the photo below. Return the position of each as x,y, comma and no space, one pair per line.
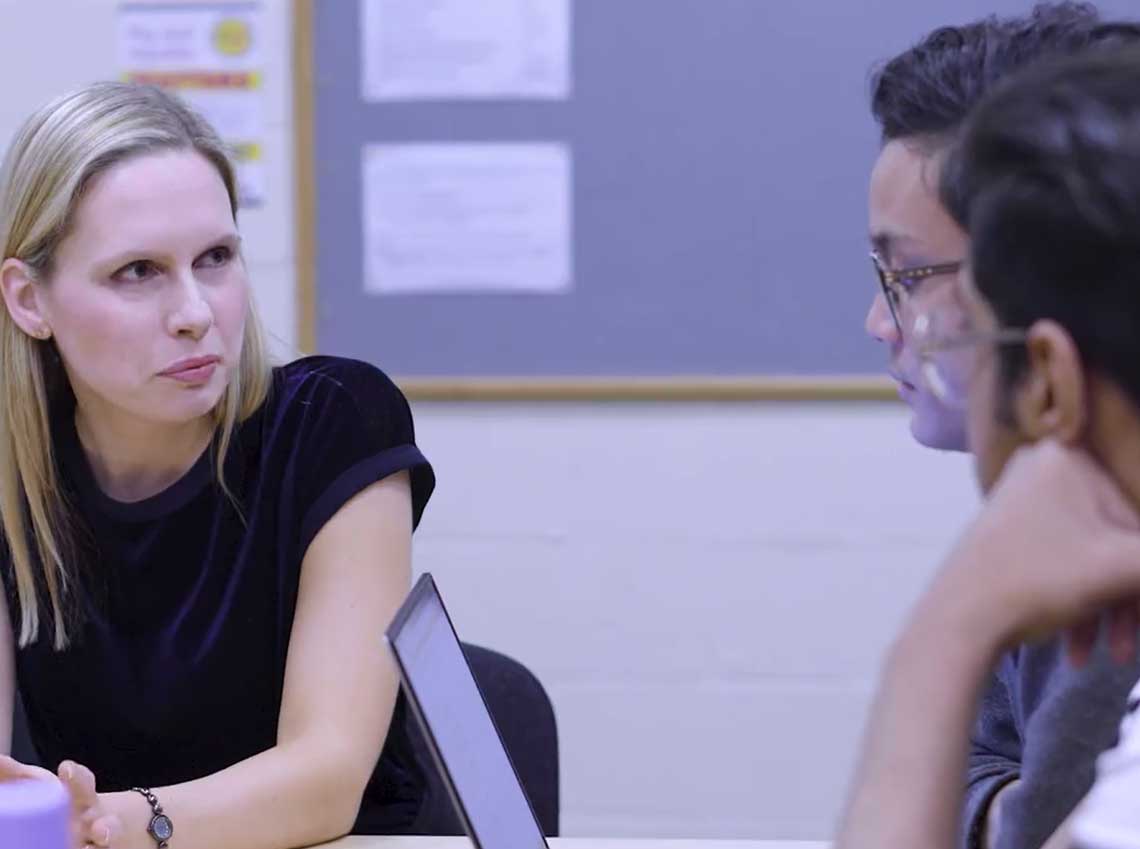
459,729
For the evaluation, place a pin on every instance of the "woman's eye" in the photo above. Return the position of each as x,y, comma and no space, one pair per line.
135,272
216,257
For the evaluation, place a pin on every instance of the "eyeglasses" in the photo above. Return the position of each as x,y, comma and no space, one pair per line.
899,286
948,358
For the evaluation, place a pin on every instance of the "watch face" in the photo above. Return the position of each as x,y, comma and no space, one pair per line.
161,827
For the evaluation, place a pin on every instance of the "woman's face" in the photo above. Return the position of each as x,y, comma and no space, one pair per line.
148,293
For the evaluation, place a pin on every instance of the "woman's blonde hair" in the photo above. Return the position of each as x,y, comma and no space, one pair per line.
54,157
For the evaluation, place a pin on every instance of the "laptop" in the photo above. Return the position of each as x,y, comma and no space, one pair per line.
459,730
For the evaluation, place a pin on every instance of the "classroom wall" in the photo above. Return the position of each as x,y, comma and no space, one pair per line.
55,45
705,589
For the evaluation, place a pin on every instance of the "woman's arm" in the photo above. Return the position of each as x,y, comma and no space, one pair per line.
340,690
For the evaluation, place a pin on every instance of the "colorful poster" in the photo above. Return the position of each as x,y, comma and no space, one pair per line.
210,55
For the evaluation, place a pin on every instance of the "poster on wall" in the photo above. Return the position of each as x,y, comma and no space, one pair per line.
466,218
459,49
210,55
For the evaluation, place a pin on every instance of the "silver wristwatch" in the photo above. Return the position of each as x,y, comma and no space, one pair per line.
160,827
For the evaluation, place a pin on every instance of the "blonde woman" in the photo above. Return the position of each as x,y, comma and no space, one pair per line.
201,550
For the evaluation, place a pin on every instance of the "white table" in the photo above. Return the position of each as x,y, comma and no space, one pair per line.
570,843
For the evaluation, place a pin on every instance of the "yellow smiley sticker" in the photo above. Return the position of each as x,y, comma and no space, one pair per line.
232,37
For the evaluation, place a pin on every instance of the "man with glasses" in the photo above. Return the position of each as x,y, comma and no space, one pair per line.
1040,725
1043,356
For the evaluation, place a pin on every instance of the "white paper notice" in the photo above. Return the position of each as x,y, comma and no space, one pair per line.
210,55
452,49
454,218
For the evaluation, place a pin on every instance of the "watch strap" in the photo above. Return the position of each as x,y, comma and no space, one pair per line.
157,815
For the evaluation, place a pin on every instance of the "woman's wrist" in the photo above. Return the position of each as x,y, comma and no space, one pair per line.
135,814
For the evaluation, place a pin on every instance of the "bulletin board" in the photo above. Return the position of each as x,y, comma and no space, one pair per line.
718,155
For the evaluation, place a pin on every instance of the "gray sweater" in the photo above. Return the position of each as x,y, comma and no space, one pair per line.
1044,722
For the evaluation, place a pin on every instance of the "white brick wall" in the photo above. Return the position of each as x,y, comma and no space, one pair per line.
705,590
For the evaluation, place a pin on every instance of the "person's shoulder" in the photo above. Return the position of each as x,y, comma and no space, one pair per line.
325,373
334,397
336,380
337,425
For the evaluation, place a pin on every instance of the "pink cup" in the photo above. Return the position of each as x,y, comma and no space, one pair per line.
33,815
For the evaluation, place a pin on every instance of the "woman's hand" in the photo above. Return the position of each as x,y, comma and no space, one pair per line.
91,824
12,770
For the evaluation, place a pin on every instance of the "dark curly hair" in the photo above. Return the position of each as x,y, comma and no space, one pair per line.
926,93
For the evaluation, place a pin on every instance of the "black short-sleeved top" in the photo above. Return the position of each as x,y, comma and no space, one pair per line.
178,669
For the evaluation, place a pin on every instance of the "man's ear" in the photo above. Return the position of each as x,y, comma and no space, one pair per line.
1051,399
18,283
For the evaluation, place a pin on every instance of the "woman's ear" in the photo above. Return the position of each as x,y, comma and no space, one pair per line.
1050,400
21,298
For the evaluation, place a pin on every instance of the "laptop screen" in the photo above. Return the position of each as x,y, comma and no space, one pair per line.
458,727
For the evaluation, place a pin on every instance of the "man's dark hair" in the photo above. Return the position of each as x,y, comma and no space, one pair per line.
927,92
1045,178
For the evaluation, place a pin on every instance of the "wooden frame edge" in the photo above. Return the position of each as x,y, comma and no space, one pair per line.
859,388
304,204
862,388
